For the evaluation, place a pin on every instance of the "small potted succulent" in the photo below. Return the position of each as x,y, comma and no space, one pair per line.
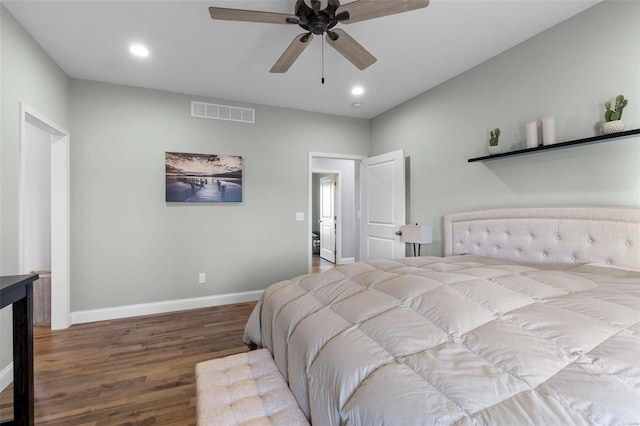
493,141
612,117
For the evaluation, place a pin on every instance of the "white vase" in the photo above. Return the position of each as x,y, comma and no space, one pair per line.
532,134
548,131
494,149
612,126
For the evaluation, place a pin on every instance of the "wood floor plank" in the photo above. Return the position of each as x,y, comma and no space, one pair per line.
136,371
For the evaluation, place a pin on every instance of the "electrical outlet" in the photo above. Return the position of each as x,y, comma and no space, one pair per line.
300,216
202,278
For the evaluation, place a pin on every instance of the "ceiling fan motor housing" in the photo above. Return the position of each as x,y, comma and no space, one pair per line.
317,23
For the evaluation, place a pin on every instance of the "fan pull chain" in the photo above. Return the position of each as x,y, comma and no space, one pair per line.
322,80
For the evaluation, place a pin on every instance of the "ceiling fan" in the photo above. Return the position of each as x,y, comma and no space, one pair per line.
319,17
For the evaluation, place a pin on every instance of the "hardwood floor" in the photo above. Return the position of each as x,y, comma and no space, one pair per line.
318,264
136,371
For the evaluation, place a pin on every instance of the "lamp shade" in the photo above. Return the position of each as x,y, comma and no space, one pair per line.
421,234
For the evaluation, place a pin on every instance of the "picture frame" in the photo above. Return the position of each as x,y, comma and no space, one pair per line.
203,177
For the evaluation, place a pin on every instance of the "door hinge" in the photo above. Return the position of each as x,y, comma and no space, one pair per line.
335,183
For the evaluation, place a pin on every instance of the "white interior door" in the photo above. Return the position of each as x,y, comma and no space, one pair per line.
327,218
383,206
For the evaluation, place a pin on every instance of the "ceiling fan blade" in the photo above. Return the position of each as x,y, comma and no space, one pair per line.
250,16
290,55
361,10
350,49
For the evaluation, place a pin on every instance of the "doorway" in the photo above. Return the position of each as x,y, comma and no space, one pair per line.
324,218
43,221
328,211
346,205
373,205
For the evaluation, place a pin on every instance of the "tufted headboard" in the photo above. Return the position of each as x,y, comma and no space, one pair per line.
556,235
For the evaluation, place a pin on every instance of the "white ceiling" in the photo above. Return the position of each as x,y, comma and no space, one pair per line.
192,54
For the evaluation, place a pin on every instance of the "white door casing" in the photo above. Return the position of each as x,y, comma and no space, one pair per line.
383,206
327,218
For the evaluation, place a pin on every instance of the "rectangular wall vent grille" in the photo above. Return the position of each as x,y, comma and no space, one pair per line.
223,112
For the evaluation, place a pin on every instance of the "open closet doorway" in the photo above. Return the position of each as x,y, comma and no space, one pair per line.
44,235
344,170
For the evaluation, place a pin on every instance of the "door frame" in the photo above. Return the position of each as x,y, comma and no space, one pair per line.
311,171
60,213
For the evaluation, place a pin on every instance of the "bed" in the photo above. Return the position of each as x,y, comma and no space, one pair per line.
532,317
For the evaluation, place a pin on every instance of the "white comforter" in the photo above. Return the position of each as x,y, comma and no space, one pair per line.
458,340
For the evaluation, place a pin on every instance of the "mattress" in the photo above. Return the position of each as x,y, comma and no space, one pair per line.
457,340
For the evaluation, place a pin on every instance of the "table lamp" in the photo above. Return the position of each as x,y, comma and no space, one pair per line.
417,234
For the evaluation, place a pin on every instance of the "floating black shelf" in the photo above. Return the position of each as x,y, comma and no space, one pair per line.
558,145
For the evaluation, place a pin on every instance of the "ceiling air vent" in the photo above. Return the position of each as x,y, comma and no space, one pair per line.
223,112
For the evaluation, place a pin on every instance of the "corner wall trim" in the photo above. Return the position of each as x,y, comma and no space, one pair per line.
6,377
105,314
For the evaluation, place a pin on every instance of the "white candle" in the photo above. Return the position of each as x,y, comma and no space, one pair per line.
548,131
532,134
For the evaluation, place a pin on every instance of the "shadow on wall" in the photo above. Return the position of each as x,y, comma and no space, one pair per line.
563,171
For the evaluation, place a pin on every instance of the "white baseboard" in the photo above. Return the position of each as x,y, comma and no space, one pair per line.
6,377
346,260
80,317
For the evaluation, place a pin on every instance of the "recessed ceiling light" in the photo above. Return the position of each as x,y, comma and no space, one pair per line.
139,50
357,105
358,90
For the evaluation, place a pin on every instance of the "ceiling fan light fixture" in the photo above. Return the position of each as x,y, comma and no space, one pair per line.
357,91
319,17
139,50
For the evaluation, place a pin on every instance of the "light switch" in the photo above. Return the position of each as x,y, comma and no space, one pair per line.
299,216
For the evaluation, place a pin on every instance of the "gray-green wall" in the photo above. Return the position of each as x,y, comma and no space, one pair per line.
27,75
128,246
566,72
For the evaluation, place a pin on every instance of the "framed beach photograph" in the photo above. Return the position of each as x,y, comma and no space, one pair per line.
203,177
